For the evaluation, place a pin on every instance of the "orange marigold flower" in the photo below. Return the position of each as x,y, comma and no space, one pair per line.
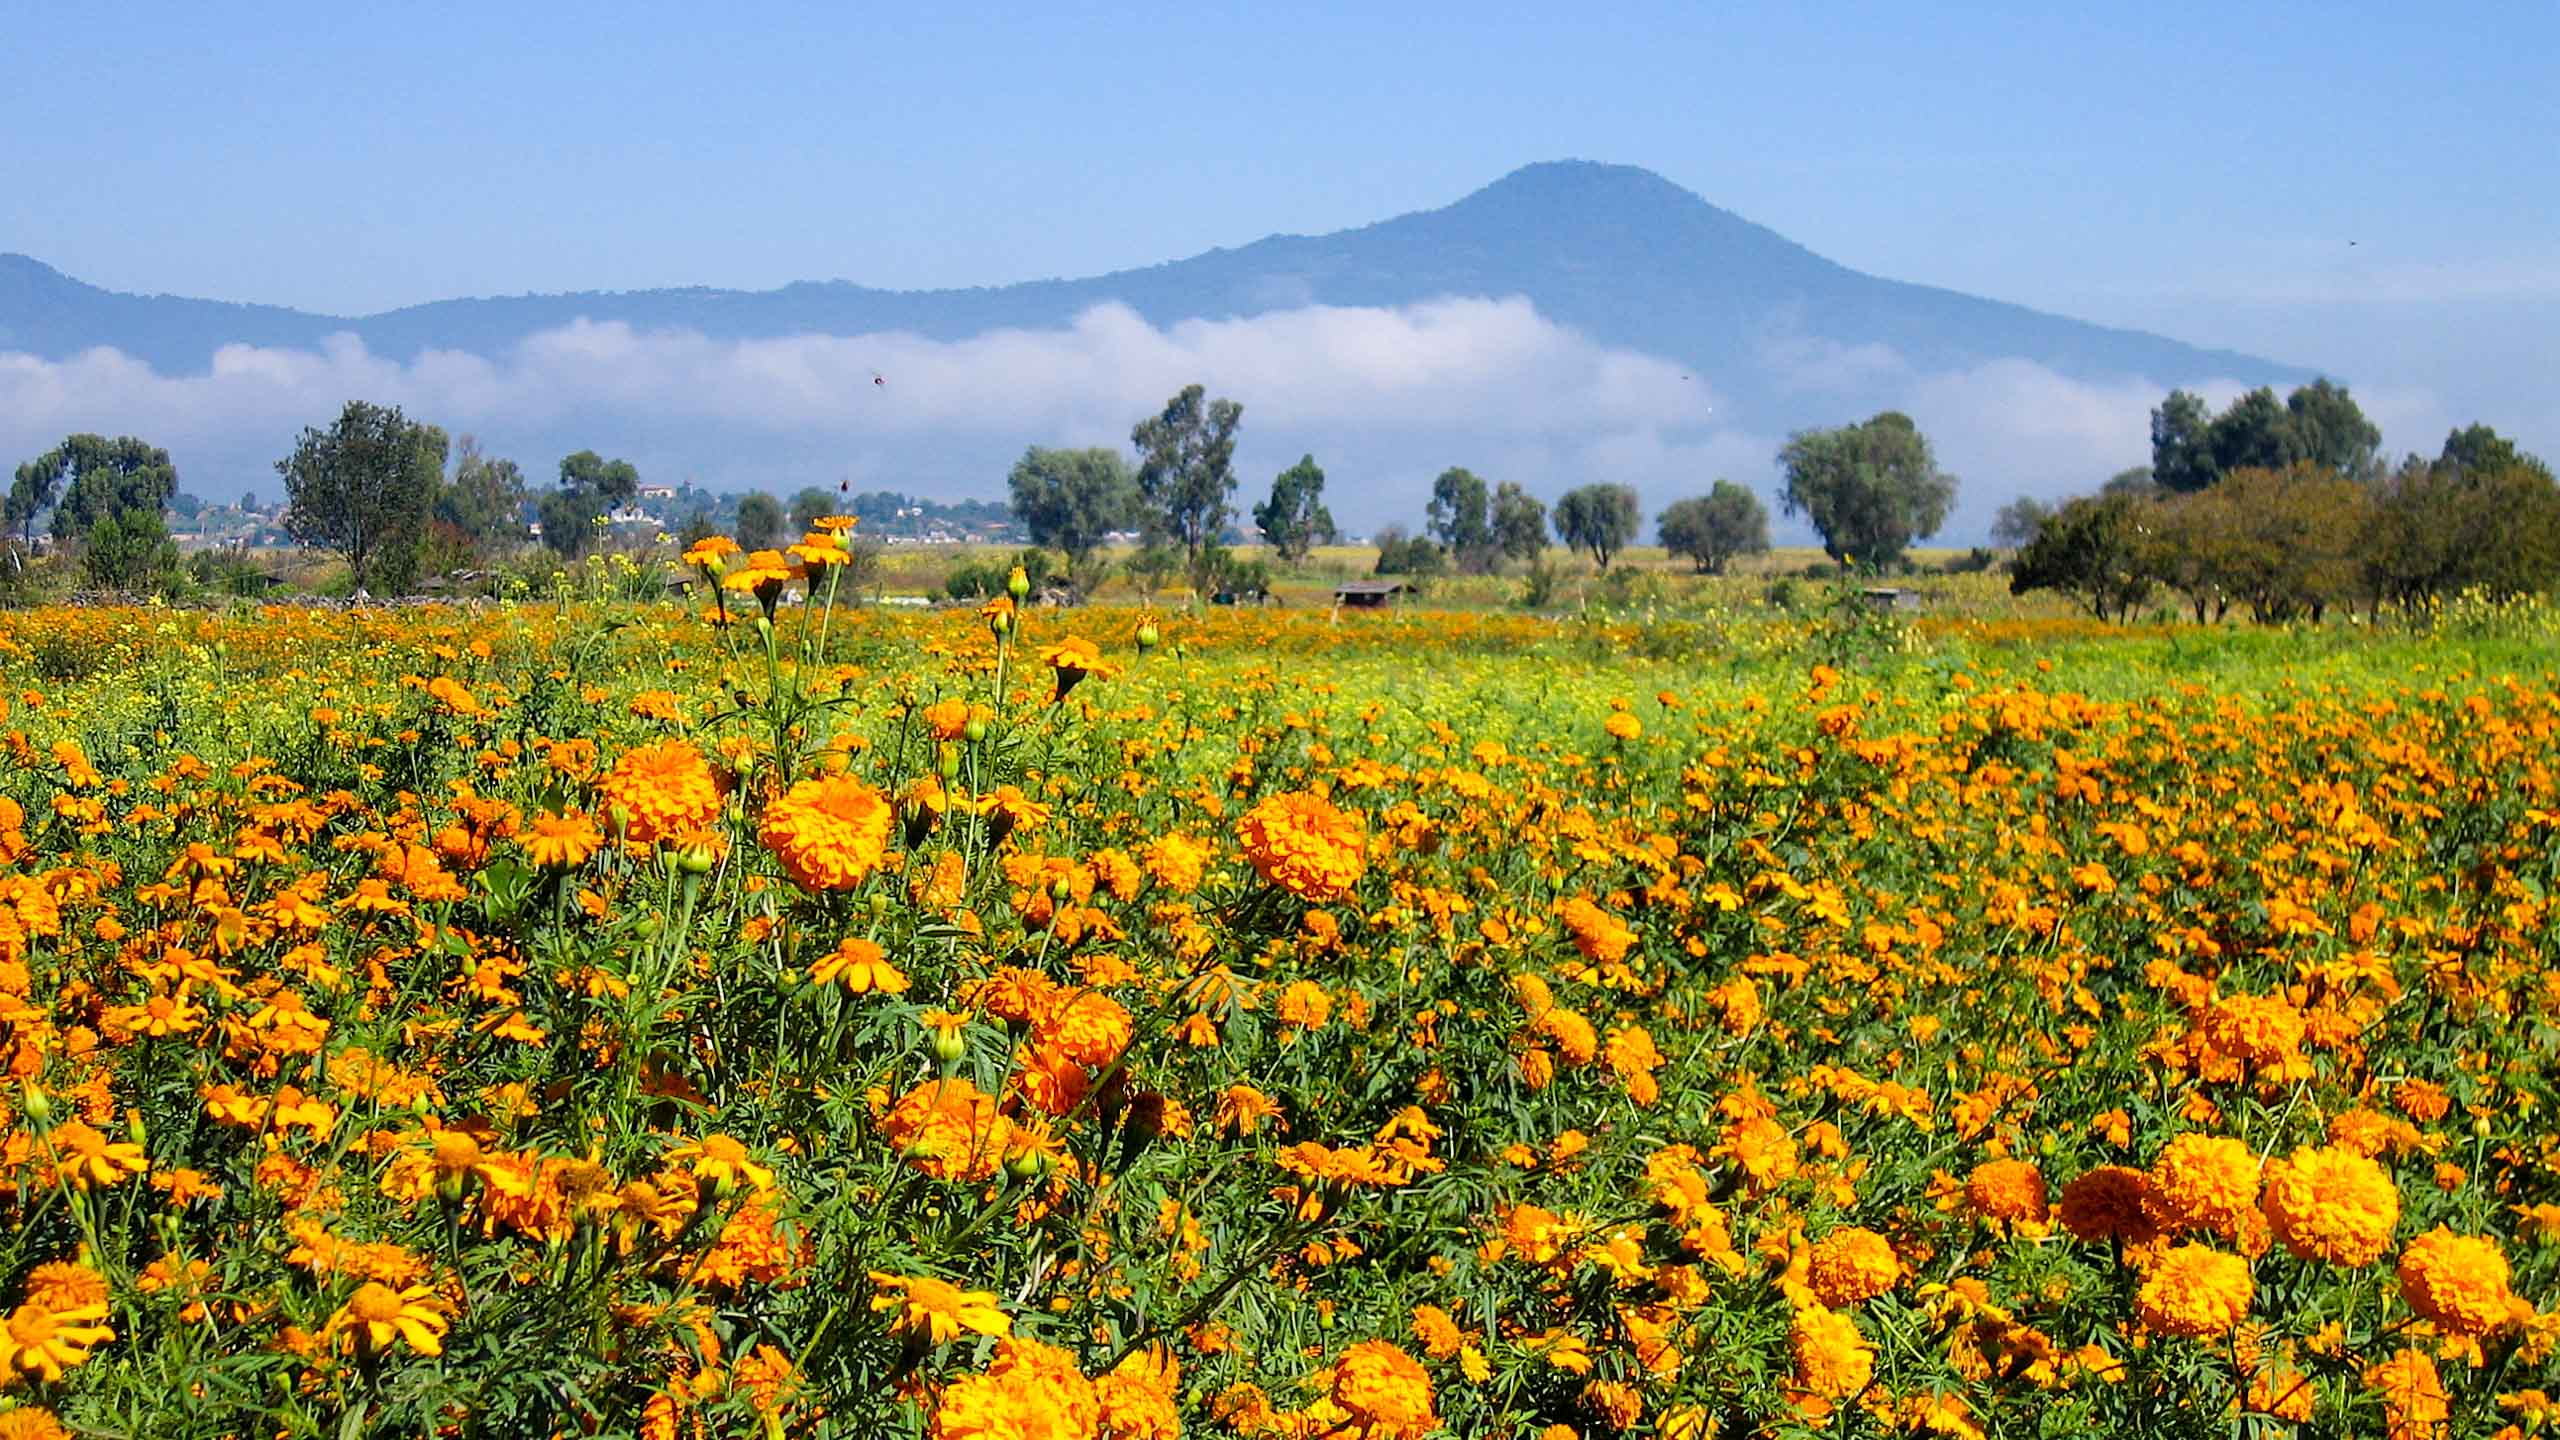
2414,1403
2108,1204
40,1342
2195,1291
1137,1397
830,832
1303,844
1385,1390
1030,1391
2460,1282
1599,935
89,1160
562,842
661,791
32,1422
1850,1265
2009,1190
2258,1029
1832,1359
1074,658
948,1129
2331,1204
2203,1182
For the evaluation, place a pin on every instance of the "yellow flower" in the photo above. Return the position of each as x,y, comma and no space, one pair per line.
1073,659
377,1316
2331,1204
2195,1291
721,1162
41,1342
830,833
1303,844
89,1160
936,1309
708,552
862,966
1623,726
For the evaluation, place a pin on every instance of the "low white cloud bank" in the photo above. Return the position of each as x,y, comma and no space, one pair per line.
1386,396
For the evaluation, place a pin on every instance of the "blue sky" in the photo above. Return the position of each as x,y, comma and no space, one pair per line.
2198,170
354,157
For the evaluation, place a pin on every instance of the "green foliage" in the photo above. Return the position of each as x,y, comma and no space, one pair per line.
1294,519
809,505
1870,489
1186,471
1598,520
130,552
612,484
1713,528
2019,520
2483,518
1152,568
364,488
759,520
1070,499
1519,524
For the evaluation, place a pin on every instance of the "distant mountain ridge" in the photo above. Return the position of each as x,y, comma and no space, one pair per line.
1616,252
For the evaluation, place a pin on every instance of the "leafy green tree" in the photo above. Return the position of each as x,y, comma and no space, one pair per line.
1601,520
85,479
812,504
1069,500
1152,568
568,522
485,499
2133,480
2019,520
1294,519
2325,427
759,520
2294,538
1870,489
130,551
1519,523
2182,443
2254,433
365,488
2093,550
2440,528
2477,448
1186,471
1713,528
607,484
1460,518
1403,553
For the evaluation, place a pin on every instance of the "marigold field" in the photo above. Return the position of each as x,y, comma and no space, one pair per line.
604,1019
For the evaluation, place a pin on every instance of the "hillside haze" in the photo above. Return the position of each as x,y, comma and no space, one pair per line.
1620,257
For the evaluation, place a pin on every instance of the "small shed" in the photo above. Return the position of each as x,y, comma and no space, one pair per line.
1369,594
1886,597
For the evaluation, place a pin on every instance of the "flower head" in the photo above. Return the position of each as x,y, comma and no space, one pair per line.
377,1317
2331,1204
661,791
2195,1291
1386,1391
2460,1282
1303,844
2010,1190
830,832
937,1309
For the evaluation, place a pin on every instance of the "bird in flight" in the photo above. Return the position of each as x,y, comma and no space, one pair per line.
878,380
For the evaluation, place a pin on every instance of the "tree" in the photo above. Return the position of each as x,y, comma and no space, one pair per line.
2133,480
2295,533
1870,489
85,479
2182,443
1713,528
609,484
1400,553
130,551
2477,448
2325,427
1186,471
1601,519
2440,528
1294,519
2092,549
1460,518
485,499
2255,433
759,520
1069,500
364,488
1519,523
2192,547
811,505
2018,521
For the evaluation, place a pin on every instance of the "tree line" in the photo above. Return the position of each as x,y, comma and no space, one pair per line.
2287,510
